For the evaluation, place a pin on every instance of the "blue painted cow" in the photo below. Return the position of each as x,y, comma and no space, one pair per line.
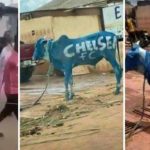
138,59
65,54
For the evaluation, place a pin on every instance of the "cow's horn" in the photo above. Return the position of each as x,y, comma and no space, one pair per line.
135,45
138,42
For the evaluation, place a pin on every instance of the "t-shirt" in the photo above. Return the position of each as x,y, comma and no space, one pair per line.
5,54
11,74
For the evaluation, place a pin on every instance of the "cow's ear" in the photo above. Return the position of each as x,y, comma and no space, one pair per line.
135,45
138,43
43,41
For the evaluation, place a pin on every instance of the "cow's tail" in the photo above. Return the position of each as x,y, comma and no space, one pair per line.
117,45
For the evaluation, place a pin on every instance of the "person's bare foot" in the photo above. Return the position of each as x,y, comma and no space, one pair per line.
1,134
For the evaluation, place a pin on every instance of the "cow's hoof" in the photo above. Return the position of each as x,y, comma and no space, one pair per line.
1,135
117,92
69,96
72,95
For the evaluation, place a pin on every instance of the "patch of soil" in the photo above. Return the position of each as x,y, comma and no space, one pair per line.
134,99
79,124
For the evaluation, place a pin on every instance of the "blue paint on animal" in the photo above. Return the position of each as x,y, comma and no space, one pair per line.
138,59
147,66
67,53
39,46
132,60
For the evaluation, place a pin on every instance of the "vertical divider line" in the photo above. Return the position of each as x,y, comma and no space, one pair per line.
18,74
124,91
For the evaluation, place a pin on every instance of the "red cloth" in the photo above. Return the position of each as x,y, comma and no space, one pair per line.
11,74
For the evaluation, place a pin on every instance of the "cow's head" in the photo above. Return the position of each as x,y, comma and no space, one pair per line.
135,58
39,49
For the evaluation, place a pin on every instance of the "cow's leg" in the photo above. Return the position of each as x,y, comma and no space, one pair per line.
117,69
71,86
66,80
68,74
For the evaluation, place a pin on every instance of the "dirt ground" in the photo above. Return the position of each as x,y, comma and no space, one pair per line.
134,98
92,121
134,84
9,128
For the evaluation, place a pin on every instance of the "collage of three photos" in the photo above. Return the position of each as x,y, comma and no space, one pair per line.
74,75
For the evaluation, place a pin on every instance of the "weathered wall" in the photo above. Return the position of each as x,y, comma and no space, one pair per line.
54,27
42,26
75,26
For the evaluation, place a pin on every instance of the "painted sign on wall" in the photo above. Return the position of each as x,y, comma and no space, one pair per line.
113,19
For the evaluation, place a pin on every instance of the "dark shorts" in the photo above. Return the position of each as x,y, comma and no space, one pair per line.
10,107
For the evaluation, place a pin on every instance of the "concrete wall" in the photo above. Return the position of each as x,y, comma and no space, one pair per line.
42,26
54,27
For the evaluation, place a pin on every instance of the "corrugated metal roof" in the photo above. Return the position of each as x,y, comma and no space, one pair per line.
70,4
